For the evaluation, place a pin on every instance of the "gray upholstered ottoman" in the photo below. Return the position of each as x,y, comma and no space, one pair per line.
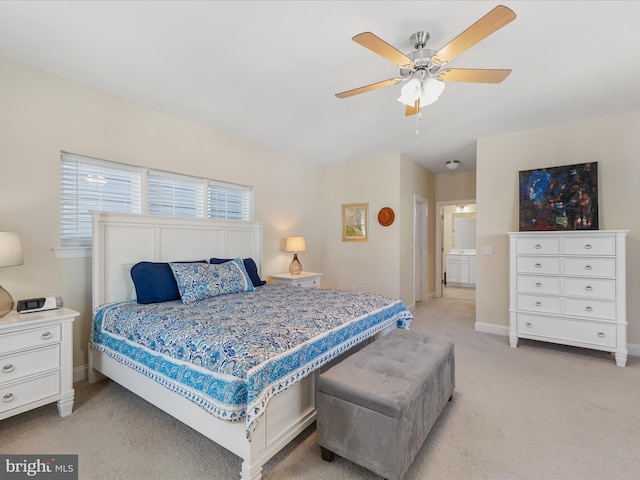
377,406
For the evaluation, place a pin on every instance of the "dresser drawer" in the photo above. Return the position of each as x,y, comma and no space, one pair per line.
589,246
590,287
539,303
18,394
538,284
33,337
570,331
592,267
605,309
20,365
538,245
527,264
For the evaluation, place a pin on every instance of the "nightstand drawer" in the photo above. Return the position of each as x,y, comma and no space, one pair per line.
33,337
307,282
22,393
20,365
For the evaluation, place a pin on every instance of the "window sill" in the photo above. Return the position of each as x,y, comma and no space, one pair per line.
72,252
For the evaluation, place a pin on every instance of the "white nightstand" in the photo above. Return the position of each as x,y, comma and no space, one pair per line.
36,361
305,279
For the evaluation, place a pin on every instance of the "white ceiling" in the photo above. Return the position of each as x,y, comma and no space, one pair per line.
267,71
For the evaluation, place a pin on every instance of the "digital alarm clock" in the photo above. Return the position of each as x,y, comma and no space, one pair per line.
39,304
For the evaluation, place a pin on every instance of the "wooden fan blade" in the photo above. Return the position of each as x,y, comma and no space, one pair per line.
490,23
412,110
368,88
474,75
382,48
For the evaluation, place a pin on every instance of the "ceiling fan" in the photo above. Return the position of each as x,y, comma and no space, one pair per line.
423,69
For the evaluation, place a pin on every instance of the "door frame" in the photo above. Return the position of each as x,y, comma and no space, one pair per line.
439,289
420,248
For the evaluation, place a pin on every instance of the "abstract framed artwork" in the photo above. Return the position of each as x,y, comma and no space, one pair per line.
355,226
559,198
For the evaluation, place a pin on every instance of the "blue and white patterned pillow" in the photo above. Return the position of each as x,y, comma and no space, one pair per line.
197,281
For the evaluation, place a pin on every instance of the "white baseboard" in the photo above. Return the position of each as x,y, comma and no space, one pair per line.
503,330
492,328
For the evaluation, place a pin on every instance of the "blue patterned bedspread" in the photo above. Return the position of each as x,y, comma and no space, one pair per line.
230,354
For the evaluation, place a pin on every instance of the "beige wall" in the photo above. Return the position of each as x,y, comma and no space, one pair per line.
456,186
361,266
41,114
384,263
613,142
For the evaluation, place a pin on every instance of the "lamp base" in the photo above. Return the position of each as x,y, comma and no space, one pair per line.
6,302
295,267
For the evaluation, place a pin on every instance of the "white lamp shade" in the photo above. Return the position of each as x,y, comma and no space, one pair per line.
10,249
295,244
428,92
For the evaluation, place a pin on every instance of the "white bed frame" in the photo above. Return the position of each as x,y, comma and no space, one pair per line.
120,241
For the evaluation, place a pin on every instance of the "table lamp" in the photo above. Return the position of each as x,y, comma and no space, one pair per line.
10,255
295,245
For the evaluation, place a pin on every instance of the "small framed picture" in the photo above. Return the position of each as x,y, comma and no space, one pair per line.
355,222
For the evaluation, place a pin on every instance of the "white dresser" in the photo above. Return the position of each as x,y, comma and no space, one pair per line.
304,279
569,288
36,361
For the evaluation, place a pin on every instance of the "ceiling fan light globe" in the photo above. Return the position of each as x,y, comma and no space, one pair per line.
410,92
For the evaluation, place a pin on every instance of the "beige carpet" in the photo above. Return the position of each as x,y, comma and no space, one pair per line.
540,411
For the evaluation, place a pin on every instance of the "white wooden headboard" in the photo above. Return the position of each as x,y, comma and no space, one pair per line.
122,240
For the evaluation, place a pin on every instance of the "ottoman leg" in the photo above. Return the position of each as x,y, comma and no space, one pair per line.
327,455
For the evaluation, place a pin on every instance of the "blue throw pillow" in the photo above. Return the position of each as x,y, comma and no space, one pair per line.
249,265
154,282
197,281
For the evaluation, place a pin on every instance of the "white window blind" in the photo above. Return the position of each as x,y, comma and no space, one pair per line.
175,195
88,184
228,202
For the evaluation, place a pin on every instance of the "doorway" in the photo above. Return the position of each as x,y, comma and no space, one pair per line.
456,249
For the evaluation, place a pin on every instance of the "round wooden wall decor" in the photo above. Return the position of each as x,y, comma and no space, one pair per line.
386,216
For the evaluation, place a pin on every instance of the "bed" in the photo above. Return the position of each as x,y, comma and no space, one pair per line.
242,367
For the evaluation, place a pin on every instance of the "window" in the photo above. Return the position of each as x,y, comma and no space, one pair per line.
174,195
89,184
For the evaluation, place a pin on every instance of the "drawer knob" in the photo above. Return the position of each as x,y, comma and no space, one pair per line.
538,265
538,284
538,304
7,397
588,288
45,335
528,324
538,246
588,309
588,246
8,368
587,267
601,334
